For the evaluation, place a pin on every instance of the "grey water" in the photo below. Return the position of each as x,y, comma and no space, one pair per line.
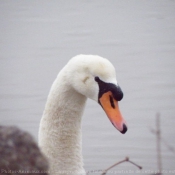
37,38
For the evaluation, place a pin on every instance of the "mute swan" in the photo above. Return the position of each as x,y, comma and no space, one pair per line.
84,76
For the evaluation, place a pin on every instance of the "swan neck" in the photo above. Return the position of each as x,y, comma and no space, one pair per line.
60,136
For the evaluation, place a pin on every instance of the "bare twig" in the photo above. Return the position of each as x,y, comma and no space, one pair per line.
158,137
125,160
157,132
112,166
162,140
170,148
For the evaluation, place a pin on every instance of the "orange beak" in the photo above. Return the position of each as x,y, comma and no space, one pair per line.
110,106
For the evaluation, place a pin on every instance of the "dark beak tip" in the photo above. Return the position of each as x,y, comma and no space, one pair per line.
124,129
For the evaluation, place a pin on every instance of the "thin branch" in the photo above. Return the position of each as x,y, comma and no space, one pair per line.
122,161
138,166
158,142
169,147
125,160
112,166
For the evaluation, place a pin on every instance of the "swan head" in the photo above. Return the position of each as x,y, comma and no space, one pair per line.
95,78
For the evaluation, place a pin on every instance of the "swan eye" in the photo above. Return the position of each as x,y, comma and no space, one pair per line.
97,79
85,79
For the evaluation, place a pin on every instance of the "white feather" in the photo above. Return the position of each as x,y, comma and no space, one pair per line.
60,126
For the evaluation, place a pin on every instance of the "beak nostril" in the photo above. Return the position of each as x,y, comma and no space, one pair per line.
112,101
124,129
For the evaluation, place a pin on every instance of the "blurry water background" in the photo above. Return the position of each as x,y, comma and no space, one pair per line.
37,38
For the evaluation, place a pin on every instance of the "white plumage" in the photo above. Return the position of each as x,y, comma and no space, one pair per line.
60,126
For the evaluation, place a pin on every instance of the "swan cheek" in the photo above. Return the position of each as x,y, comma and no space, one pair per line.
111,108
